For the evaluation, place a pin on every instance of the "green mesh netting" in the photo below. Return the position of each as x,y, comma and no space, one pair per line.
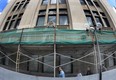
46,36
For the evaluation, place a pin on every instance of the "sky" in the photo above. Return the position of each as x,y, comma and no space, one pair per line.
3,4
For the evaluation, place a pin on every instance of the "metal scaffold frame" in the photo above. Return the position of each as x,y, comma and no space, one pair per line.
96,52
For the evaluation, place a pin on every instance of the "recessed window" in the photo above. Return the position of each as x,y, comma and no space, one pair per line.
82,2
17,23
99,21
11,26
19,7
25,4
63,20
90,20
42,11
96,4
95,13
14,8
106,22
53,1
90,3
45,2
14,17
9,18
62,11
102,14
62,1
52,18
6,24
40,21
87,12
52,11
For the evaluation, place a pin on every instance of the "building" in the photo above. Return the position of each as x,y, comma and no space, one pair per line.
65,14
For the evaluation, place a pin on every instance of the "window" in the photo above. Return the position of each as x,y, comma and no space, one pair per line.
45,2
19,7
106,22
90,20
82,2
62,1
63,60
40,21
96,4
90,3
14,17
52,11
87,12
14,8
52,18
6,24
11,26
99,22
17,23
42,11
95,13
63,11
63,20
25,5
102,14
50,61
53,1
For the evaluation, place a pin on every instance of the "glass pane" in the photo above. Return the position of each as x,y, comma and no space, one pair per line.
53,1
62,1
82,2
42,11
63,20
33,65
52,18
40,21
90,21
50,61
106,22
52,11
11,25
45,2
66,68
99,22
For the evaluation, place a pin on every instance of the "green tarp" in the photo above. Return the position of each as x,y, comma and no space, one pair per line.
47,36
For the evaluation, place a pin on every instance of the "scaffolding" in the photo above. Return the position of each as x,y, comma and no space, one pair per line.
54,37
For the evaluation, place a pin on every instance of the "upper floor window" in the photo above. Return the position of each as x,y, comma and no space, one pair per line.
53,1
40,21
62,1
90,20
42,12
52,11
52,18
90,2
96,4
45,2
63,20
82,2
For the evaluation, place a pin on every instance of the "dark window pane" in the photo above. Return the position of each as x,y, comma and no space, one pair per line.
96,4
63,20
82,2
90,3
11,26
42,11
6,24
106,22
52,11
63,11
40,21
17,23
14,8
62,1
45,2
